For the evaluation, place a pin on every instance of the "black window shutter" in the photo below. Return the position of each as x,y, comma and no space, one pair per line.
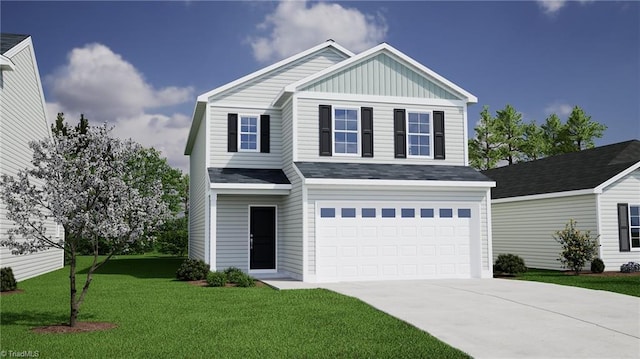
325,130
623,227
232,132
366,118
265,133
438,135
400,133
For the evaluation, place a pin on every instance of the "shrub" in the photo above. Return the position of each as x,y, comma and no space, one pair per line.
597,266
8,281
192,269
510,263
578,247
216,279
173,237
630,267
238,277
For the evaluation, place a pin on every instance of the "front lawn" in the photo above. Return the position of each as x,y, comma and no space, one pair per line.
624,283
160,317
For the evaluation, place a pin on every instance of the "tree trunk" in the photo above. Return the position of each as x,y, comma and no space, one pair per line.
73,316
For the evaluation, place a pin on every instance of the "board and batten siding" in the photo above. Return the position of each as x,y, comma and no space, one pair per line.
381,75
396,195
383,132
625,190
221,157
263,90
232,233
23,119
526,228
198,196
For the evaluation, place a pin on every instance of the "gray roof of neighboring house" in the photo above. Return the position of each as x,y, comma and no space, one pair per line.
337,170
567,172
7,41
247,175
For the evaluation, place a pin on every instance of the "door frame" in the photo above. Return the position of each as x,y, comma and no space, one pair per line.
275,219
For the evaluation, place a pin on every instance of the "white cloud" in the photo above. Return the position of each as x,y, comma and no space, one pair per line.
295,26
551,7
106,88
560,109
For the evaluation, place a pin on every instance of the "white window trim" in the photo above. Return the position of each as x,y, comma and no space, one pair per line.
333,131
631,248
240,116
406,120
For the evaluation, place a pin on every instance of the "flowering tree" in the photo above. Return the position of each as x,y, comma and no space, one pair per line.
578,247
90,190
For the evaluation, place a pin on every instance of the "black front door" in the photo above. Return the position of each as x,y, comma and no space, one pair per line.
262,238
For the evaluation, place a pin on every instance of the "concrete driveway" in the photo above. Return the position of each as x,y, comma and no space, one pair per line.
499,318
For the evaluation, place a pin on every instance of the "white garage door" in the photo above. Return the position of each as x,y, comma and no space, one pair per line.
378,241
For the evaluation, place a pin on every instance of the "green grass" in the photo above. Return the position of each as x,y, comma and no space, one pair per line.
160,317
624,284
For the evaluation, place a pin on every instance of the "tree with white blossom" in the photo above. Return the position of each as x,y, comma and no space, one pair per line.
90,190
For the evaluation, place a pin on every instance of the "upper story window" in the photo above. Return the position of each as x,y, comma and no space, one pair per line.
249,133
346,131
419,133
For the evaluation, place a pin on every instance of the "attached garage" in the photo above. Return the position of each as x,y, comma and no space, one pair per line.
377,241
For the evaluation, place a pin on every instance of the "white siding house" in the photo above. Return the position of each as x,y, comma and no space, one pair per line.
331,166
599,188
22,119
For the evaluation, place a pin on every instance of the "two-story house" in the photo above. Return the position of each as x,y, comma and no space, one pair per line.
23,118
331,166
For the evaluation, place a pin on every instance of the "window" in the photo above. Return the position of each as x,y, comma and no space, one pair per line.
408,213
634,226
446,213
464,213
345,133
419,134
248,133
426,212
348,213
368,213
388,213
327,212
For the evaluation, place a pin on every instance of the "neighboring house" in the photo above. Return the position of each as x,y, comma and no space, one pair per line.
330,166
599,188
22,119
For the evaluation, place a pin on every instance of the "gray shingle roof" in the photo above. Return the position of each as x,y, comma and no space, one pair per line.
7,41
247,175
567,172
337,170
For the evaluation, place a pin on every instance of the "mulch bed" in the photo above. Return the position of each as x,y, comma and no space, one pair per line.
9,292
604,274
203,283
81,327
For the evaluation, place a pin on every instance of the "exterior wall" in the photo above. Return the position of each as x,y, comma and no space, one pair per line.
232,233
287,134
263,90
383,76
625,190
198,196
23,119
220,157
380,194
526,228
383,142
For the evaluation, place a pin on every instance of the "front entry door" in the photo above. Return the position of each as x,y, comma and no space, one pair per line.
262,238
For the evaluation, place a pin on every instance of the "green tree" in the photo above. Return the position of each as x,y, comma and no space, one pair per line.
553,134
533,144
580,131
484,148
510,130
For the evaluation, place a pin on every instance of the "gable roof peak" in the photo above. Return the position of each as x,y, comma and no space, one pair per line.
9,40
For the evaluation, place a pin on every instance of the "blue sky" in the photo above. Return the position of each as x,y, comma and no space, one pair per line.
141,65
